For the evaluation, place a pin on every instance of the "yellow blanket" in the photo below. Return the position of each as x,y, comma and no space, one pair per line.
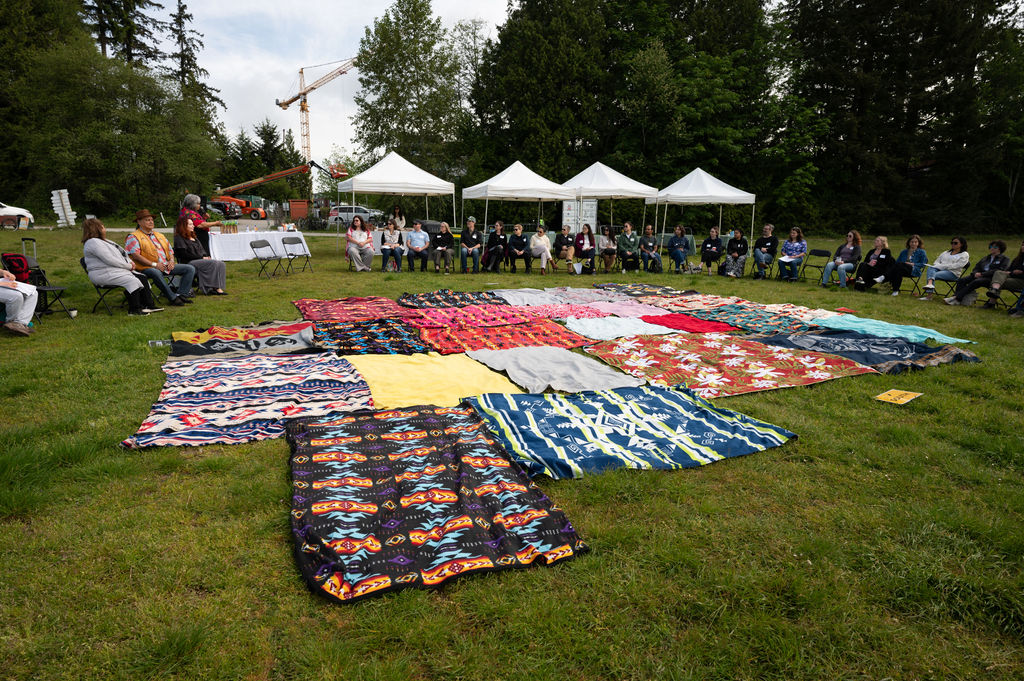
408,380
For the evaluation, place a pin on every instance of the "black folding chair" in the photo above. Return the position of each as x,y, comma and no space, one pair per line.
295,248
820,266
102,290
49,295
950,285
265,254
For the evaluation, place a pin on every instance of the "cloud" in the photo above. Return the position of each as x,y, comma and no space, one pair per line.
254,56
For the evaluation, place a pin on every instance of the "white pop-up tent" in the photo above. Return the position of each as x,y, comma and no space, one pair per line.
601,182
698,188
516,183
395,175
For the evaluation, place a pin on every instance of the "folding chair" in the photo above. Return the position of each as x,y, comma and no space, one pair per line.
950,285
102,290
294,248
265,254
815,253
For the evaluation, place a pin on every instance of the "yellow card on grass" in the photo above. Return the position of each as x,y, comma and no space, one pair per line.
897,396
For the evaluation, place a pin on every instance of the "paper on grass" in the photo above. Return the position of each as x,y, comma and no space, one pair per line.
897,396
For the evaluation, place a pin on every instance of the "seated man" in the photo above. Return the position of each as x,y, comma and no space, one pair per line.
564,248
417,244
1011,279
472,245
678,249
649,250
152,256
19,302
519,248
981,276
765,249
628,245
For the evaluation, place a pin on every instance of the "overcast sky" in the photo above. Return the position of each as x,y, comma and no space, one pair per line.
253,51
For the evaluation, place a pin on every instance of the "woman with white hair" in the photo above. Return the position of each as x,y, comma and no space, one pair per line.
190,208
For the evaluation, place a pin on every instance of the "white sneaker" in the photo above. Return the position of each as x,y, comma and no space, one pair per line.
952,301
895,293
879,280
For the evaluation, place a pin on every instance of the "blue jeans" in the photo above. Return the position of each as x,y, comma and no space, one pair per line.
475,255
790,270
844,272
945,275
763,260
648,257
678,257
386,253
186,272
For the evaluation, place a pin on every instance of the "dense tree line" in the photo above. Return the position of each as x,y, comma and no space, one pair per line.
89,102
895,115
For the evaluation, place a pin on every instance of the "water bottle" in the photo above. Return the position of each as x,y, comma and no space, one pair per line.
159,343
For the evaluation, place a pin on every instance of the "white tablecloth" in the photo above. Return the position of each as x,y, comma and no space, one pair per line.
236,246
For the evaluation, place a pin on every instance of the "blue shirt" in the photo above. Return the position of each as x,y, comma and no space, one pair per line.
418,239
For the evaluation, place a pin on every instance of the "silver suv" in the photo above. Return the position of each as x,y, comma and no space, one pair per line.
344,214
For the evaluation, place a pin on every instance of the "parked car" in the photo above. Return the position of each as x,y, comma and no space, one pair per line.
230,210
10,216
344,215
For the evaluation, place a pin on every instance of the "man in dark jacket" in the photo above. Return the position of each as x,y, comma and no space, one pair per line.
981,275
765,249
519,247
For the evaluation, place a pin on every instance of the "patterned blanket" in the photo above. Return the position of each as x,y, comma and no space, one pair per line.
885,355
753,318
564,311
636,289
537,332
371,337
449,298
582,296
688,303
471,315
206,401
629,308
390,500
719,365
352,309
566,436
275,338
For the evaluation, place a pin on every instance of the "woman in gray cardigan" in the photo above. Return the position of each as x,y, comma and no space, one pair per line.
109,265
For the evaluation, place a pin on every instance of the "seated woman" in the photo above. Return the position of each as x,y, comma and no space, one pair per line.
736,254
360,245
109,265
948,266
442,248
845,258
875,263
497,243
19,306
910,262
678,249
212,274
540,247
711,250
391,245
794,250
585,246
606,244
519,247
1011,279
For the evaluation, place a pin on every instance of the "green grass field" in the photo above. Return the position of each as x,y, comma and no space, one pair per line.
886,542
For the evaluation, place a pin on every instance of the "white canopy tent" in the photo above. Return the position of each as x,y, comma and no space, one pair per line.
395,175
516,183
601,182
699,187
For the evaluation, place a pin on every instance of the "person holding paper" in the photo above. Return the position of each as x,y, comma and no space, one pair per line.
794,250
19,300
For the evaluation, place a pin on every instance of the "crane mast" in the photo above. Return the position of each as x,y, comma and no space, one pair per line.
345,66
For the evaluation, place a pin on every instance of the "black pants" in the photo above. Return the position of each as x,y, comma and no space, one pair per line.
422,255
896,273
965,285
629,262
526,256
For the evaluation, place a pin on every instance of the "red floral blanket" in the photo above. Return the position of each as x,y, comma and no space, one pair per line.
539,332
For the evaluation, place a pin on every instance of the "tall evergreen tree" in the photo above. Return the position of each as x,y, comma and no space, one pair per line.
408,101
184,60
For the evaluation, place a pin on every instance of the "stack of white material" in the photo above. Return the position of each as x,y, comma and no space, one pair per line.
62,207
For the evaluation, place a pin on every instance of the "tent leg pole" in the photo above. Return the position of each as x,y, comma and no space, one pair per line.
753,207
427,199
719,220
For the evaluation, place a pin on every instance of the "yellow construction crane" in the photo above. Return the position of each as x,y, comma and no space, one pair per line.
345,66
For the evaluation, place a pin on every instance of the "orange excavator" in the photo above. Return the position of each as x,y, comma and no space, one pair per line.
257,213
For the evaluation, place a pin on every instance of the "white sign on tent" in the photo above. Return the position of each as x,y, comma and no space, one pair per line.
576,215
